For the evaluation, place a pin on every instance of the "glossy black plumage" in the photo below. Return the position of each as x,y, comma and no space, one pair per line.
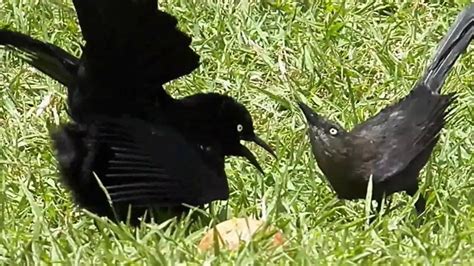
131,50
394,145
150,166
116,86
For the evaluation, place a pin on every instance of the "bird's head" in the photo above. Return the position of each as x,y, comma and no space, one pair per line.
236,124
330,142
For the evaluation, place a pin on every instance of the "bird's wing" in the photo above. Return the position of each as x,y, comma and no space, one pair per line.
48,58
133,38
399,133
138,164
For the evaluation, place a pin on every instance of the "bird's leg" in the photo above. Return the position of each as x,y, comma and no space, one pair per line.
420,204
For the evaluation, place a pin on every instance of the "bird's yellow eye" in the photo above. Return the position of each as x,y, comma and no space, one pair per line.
333,131
240,128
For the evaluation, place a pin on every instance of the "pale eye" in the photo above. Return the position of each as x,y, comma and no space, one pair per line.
240,128
333,131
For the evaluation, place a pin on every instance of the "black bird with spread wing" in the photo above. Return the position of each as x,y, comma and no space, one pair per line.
131,50
146,166
394,145
146,148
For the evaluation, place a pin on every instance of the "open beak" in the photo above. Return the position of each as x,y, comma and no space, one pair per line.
264,145
313,118
245,152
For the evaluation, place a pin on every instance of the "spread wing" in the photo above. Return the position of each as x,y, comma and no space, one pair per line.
131,42
131,50
399,133
139,164
48,58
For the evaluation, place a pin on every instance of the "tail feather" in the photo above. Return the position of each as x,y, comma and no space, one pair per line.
48,58
449,49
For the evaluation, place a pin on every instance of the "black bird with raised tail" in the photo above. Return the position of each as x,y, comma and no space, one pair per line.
394,145
147,149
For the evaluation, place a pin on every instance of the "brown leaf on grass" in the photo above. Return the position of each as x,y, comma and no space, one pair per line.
231,233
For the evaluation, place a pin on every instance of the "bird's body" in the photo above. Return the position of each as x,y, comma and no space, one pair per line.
393,146
131,50
149,166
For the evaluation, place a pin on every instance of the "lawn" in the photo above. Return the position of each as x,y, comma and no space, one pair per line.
345,59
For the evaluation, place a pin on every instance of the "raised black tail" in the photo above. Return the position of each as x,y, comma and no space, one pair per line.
449,49
48,58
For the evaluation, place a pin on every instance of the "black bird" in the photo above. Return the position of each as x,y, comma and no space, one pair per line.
144,167
131,50
394,145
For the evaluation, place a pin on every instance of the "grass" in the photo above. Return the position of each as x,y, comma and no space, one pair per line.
345,58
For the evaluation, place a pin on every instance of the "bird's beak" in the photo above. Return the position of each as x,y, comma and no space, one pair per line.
313,118
260,142
245,152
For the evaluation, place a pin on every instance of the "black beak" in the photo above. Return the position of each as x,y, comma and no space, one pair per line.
313,118
264,145
245,152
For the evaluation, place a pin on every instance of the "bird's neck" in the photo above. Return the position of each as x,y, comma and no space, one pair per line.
198,110
335,168
195,122
338,173
335,165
